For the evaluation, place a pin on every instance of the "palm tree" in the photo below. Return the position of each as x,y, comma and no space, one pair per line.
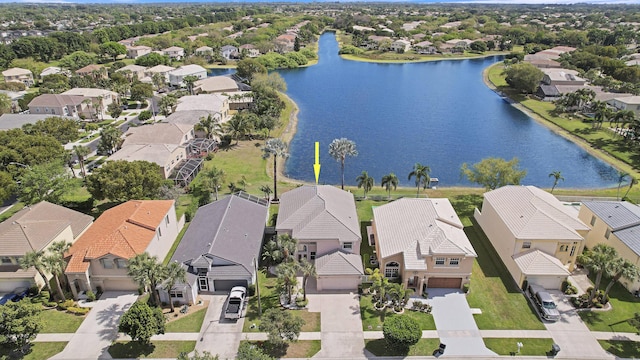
601,112
214,179
237,127
189,81
210,126
288,245
272,252
279,249
35,259
158,80
266,189
308,269
286,273
622,176
276,148
557,176
633,181
598,260
621,268
81,152
55,263
175,274
148,272
339,149
365,182
388,181
421,173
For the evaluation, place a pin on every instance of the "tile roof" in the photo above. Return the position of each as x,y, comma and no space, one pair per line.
339,262
124,230
16,121
159,133
35,226
532,213
57,100
89,68
216,84
537,262
155,153
89,92
132,68
622,217
16,71
160,69
206,102
319,212
185,70
189,117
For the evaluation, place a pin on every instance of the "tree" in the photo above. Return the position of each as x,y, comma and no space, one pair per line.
632,182
167,104
189,81
598,260
62,129
266,189
54,84
5,103
112,49
622,176
214,178
249,351
286,273
524,77
238,127
493,173
635,321
77,60
20,324
114,110
141,322
478,46
339,149
141,91
35,259
421,173
557,176
110,140
123,180
152,59
48,182
279,249
175,273
159,81
148,272
365,182
7,186
204,356
281,326
401,331
210,126
308,269
389,181
247,68
618,269
275,148
81,153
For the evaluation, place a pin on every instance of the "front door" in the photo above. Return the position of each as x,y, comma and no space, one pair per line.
203,284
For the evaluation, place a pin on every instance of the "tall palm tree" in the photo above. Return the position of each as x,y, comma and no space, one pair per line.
598,260
339,149
210,125
148,272
81,153
389,181
365,182
286,273
272,252
621,268
288,244
175,274
189,81
622,176
633,181
158,80
237,127
214,178
421,173
308,269
55,263
35,259
275,148
557,176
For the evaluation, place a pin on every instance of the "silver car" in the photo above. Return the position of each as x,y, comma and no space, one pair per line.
544,302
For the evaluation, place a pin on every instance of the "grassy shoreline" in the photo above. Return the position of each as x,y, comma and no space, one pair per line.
352,57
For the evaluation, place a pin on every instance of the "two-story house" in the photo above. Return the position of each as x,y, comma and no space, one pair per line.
250,50
401,46
94,71
229,52
627,103
134,52
176,77
18,75
174,53
536,236
58,105
133,71
100,99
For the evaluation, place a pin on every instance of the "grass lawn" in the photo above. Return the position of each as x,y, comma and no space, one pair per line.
298,349
189,323
37,351
623,307
176,242
311,320
530,347
373,319
622,349
54,321
424,347
9,213
157,349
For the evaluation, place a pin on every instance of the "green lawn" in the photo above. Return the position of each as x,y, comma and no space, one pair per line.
530,347
176,242
424,347
298,349
373,319
55,321
9,213
494,291
37,351
623,307
622,349
189,323
157,349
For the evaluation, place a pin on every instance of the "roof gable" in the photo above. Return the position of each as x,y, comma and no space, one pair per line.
537,262
339,262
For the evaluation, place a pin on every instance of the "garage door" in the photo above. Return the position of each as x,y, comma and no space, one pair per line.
547,282
7,286
226,285
325,283
437,282
120,285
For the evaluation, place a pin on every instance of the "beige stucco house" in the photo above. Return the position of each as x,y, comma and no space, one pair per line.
136,71
35,228
58,105
615,223
134,52
100,99
422,242
18,75
99,257
323,219
536,236
627,103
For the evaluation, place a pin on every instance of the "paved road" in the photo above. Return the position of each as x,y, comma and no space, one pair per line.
218,335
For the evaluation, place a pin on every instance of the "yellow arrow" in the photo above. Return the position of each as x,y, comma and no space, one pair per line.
316,166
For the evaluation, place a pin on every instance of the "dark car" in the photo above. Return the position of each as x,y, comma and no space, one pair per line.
15,296
6,298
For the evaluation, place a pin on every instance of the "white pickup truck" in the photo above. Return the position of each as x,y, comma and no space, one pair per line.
235,303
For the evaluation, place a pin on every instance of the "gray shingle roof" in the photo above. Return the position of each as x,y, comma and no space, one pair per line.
622,217
339,262
16,121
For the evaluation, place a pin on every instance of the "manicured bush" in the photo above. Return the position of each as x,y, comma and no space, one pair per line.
65,305
301,303
144,115
401,331
91,296
77,310
465,288
251,289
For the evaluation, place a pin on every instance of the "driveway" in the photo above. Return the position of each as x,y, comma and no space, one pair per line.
571,333
99,329
341,326
456,326
219,335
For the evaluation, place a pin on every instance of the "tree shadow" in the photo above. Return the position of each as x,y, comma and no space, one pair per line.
380,347
15,354
130,350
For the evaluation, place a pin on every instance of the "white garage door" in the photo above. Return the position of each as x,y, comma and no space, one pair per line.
338,283
547,282
8,285
120,285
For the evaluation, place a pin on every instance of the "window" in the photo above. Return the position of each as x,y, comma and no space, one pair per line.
302,248
6,260
159,232
166,219
564,248
391,270
440,261
454,261
607,234
176,294
593,220
121,263
312,255
347,246
107,263
526,245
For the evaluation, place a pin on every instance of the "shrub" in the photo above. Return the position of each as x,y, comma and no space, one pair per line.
401,331
77,310
465,288
144,115
251,289
301,303
66,304
50,304
34,290
91,296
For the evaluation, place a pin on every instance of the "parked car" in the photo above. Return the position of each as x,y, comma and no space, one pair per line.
15,296
544,302
235,303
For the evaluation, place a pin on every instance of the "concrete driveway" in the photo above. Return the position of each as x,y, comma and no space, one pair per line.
99,329
218,335
341,326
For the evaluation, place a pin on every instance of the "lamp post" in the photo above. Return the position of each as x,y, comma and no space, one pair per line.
255,263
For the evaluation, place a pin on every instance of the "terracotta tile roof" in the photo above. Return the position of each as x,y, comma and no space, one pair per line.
124,231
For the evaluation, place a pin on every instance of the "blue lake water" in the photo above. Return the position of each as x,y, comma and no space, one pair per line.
440,114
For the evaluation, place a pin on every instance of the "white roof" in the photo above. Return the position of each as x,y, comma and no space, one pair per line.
132,68
89,92
160,133
173,48
204,48
188,70
207,102
537,262
155,153
160,69
532,213
629,100
562,74
339,262
216,84
51,70
16,71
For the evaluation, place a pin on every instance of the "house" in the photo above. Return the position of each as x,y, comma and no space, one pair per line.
167,156
362,28
215,84
615,223
401,46
627,103
18,75
174,53
212,103
94,71
100,98
221,247
250,50
98,259
541,62
536,236
190,117
17,121
204,51
422,242
58,105
323,219
425,47
285,43
159,69
229,52
134,52
160,133
559,76
135,71
176,76
53,70
35,228
373,41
